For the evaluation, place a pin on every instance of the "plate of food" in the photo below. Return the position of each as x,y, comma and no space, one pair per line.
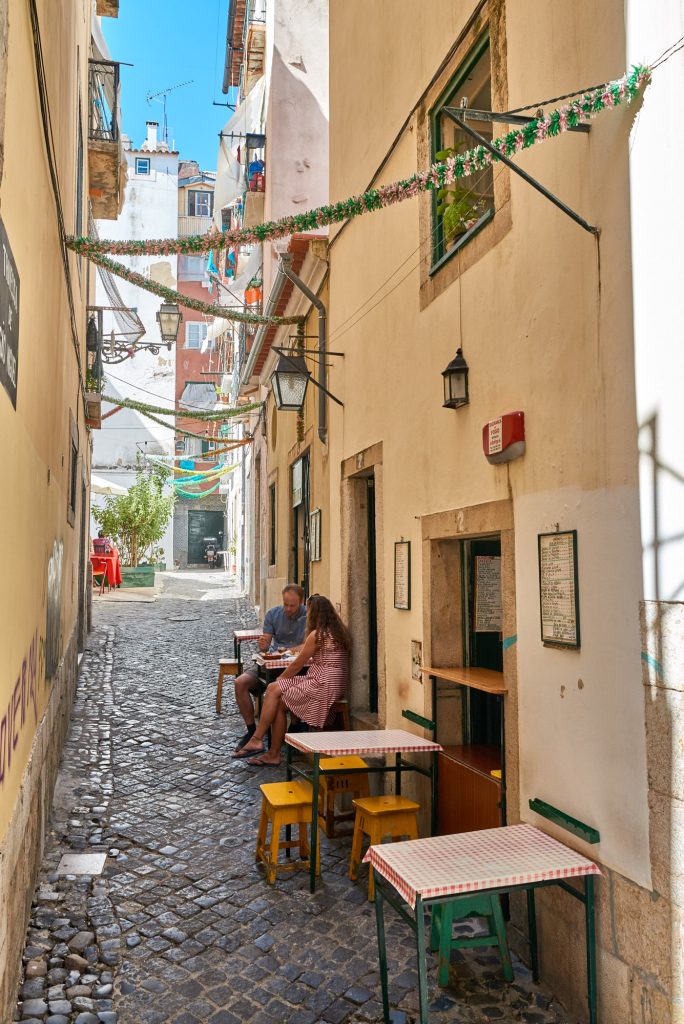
271,655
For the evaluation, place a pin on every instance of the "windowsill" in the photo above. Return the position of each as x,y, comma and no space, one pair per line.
463,241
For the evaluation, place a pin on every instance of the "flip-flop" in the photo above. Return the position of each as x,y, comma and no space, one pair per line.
258,762
242,753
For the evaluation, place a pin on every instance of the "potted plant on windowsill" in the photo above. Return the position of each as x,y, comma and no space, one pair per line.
459,207
137,521
93,401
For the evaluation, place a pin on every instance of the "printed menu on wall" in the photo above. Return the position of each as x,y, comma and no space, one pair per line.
558,589
488,613
402,574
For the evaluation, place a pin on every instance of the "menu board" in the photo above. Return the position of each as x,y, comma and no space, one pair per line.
558,589
488,614
402,574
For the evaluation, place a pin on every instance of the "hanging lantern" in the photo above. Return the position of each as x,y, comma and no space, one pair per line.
289,382
91,334
169,320
456,382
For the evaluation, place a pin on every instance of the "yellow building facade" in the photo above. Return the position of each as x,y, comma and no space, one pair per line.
46,128
441,558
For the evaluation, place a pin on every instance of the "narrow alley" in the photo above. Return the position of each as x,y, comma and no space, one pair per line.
180,926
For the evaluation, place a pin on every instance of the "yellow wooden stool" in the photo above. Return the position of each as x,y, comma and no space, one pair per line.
380,816
283,803
227,667
356,784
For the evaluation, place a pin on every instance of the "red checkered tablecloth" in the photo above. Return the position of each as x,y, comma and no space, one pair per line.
472,861
271,663
248,634
372,741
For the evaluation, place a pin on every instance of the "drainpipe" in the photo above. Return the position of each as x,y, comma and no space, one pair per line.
286,266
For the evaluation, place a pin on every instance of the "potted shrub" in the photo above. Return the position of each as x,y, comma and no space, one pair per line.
137,522
232,551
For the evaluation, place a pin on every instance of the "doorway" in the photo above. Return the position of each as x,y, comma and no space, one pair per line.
201,524
301,556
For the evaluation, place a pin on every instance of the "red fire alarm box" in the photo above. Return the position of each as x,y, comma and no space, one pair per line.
503,439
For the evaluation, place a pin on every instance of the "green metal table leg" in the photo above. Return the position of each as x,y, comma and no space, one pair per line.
422,961
314,822
591,948
288,778
532,925
397,773
382,948
434,779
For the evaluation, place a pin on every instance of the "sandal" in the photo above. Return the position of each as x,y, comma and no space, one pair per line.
245,738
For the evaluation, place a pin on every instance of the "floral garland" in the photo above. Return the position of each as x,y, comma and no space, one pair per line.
171,295
547,126
183,414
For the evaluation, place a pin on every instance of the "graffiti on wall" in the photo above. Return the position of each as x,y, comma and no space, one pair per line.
23,700
53,626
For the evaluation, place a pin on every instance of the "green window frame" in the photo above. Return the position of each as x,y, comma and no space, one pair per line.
469,210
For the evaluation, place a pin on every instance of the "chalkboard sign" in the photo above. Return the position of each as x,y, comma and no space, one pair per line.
558,589
9,318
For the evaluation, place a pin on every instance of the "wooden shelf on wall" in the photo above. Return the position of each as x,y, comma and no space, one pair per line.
485,679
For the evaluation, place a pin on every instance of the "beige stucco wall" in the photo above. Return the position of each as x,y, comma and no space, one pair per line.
36,442
538,336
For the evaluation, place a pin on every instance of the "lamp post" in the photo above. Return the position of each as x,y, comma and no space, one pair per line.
456,382
169,320
289,382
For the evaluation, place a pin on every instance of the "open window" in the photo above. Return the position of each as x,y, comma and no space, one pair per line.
461,209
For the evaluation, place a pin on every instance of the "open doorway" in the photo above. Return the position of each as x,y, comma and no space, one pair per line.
300,555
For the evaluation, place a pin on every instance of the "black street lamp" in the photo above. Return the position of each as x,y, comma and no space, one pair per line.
169,320
456,382
289,382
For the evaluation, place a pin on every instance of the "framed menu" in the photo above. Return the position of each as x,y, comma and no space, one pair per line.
402,574
558,589
315,535
488,615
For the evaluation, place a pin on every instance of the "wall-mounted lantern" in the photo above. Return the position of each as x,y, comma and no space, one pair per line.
169,320
289,382
456,382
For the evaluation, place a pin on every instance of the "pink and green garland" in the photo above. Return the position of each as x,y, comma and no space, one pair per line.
547,126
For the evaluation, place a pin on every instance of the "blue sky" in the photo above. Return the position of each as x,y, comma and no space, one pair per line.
169,42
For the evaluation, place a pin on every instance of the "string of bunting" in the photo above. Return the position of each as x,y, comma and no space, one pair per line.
183,414
170,294
546,126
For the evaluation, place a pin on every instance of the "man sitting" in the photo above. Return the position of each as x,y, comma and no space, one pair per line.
283,628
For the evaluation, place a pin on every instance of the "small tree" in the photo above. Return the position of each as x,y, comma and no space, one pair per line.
137,520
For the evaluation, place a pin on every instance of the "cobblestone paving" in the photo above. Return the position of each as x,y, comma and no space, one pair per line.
180,928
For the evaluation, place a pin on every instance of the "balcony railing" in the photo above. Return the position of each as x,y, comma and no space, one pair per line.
194,225
103,120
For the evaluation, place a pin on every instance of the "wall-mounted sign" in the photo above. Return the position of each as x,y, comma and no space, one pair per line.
9,318
558,589
503,439
488,616
402,574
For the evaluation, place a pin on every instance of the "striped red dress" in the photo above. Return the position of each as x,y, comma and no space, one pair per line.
311,696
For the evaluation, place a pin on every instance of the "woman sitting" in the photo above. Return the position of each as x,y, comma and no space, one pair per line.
310,697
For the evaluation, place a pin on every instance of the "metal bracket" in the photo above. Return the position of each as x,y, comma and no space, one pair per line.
458,116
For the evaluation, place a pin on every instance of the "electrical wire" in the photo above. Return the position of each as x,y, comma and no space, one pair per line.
163,398
341,329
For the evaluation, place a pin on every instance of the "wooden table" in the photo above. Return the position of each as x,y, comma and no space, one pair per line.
241,636
426,872
344,744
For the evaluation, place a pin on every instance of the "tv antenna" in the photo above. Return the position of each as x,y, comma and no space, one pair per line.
160,97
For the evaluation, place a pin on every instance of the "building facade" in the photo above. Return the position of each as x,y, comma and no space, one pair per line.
273,162
48,180
440,524
129,321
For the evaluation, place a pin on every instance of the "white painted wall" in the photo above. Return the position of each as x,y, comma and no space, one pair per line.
657,154
582,712
150,211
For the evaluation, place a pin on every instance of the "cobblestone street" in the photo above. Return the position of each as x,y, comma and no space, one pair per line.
180,927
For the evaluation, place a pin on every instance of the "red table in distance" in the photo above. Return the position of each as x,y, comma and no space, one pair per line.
110,563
